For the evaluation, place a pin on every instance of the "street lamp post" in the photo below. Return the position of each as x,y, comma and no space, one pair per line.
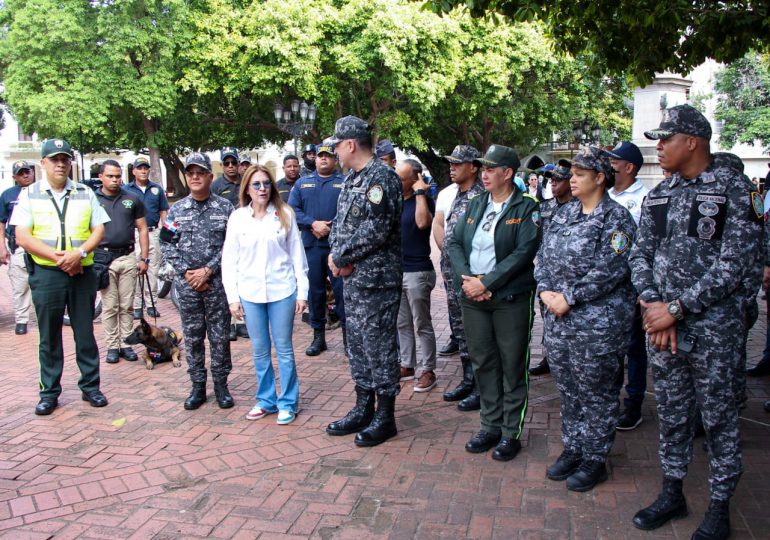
296,120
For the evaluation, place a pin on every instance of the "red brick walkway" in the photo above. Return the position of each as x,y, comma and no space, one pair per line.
145,468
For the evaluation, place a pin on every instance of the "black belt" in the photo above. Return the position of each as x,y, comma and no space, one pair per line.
118,252
150,229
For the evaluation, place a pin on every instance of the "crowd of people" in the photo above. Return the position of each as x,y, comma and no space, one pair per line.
619,272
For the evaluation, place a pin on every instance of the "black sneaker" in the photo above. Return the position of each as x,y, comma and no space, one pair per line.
137,314
630,419
452,347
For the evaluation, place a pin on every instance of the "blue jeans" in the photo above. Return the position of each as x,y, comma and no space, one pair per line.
262,321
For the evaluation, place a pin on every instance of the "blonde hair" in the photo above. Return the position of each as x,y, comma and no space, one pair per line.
284,211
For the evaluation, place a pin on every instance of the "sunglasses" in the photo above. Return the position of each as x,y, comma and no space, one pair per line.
229,163
261,185
488,223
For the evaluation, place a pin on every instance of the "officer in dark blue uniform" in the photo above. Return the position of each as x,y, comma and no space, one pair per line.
314,199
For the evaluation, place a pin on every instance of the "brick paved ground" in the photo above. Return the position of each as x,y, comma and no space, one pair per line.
145,468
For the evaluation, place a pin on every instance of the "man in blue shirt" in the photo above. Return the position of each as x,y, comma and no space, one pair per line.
13,256
314,199
155,203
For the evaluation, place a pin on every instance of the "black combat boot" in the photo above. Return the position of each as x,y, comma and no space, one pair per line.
565,466
465,387
472,402
359,416
383,425
670,504
197,396
587,476
222,393
319,342
716,523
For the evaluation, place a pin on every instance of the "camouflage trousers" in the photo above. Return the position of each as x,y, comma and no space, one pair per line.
202,314
751,314
454,310
702,380
586,371
370,319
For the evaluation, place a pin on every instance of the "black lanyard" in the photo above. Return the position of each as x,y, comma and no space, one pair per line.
62,214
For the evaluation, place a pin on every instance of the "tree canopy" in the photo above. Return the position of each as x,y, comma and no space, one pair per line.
177,75
640,37
743,105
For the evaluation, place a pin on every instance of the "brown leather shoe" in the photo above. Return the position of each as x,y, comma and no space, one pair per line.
407,373
426,382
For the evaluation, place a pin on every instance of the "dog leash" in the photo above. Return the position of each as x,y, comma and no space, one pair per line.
145,280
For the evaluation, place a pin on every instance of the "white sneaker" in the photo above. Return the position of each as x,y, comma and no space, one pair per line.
285,417
257,412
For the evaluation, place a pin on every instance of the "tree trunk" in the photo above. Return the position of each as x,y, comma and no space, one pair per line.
436,164
174,179
150,128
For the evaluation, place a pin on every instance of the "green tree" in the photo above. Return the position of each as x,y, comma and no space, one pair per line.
640,37
743,89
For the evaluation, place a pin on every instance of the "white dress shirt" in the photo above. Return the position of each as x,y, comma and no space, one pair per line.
261,262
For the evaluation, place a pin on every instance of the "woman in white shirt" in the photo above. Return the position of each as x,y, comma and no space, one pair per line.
264,272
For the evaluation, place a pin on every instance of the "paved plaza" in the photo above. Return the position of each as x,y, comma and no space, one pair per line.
143,467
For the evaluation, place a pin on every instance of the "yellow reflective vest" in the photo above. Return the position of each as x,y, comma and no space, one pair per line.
62,230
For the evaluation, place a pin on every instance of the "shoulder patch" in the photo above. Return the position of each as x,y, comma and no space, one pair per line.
154,190
536,218
375,194
127,203
758,204
620,242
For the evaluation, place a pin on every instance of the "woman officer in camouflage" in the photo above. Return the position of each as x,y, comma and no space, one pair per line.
584,282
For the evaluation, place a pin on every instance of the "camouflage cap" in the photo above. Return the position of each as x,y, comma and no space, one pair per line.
53,147
349,127
463,154
726,159
681,119
384,148
21,165
141,161
244,159
325,148
499,156
228,151
596,159
199,159
561,171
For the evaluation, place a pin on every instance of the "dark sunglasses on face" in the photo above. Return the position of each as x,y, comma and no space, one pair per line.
261,185
229,163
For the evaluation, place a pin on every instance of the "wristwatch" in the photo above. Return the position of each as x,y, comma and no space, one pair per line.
146,261
419,192
675,310
83,253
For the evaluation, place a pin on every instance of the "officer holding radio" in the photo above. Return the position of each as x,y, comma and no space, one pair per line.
699,232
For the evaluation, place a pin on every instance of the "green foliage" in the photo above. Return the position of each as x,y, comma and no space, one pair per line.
640,37
744,101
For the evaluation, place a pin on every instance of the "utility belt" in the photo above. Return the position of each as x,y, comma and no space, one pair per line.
115,252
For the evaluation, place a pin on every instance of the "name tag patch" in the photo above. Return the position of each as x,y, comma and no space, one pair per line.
514,221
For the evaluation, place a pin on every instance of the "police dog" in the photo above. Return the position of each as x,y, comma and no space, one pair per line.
161,342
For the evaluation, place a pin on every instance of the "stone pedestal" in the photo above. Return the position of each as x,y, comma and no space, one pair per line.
667,90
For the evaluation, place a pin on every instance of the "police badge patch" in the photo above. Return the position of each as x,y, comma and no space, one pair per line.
128,204
620,242
375,194
154,191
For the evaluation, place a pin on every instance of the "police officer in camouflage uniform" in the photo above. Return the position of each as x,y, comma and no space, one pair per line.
191,240
365,245
560,177
466,185
699,233
585,283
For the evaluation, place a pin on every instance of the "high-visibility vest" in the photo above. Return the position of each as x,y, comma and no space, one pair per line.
64,229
